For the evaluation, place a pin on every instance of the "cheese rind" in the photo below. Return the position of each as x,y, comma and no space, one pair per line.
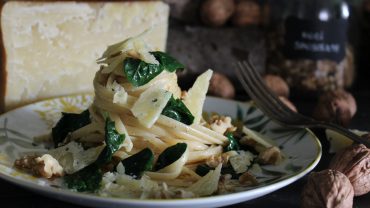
51,48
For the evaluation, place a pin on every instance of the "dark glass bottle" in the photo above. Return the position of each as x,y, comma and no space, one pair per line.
309,46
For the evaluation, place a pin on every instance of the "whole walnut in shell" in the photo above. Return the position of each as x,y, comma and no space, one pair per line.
247,12
277,85
328,188
354,162
216,12
221,86
336,106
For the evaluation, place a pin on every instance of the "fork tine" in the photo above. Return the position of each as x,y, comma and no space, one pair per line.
264,98
259,97
246,80
271,105
270,98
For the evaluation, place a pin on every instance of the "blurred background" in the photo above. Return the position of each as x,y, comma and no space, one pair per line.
216,33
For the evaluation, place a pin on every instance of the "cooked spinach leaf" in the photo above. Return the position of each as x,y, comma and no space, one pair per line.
136,164
113,140
139,72
168,62
230,170
203,169
87,179
170,155
177,110
69,123
233,143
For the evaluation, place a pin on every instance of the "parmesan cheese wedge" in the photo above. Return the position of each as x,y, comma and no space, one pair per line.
150,105
196,95
50,48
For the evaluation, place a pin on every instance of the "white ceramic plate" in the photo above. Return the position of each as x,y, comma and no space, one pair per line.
17,128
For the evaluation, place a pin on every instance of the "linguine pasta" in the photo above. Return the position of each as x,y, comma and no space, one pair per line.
149,140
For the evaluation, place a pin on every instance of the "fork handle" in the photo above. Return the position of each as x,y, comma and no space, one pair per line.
345,132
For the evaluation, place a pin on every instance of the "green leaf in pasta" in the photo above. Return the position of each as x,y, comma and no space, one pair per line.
168,62
233,143
69,123
113,141
87,179
139,72
177,110
136,164
203,169
170,155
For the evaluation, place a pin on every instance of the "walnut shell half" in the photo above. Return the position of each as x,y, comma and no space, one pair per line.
354,162
328,188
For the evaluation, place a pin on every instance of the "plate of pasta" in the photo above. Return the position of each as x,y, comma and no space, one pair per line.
140,140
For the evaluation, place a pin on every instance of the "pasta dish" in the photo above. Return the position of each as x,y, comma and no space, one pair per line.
144,137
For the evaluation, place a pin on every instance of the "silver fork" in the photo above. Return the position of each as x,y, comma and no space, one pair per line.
271,105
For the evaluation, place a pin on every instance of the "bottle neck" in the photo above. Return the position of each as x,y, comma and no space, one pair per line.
318,10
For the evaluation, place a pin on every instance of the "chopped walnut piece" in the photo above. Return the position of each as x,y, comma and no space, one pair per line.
248,179
223,158
221,124
226,184
270,156
45,166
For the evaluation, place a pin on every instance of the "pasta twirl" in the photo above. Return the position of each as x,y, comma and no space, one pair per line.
147,133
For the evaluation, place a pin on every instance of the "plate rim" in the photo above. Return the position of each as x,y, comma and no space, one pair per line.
232,198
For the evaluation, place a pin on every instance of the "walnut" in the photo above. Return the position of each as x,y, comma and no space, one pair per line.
248,179
277,85
45,166
354,162
288,103
216,12
184,10
221,86
328,188
271,156
221,124
336,106
247,12
223,158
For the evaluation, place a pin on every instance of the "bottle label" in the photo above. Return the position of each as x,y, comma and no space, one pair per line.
315,40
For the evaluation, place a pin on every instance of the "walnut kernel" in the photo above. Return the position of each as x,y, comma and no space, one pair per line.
45,166
248,179
271,156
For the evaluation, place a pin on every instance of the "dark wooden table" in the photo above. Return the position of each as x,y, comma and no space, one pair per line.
14,196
